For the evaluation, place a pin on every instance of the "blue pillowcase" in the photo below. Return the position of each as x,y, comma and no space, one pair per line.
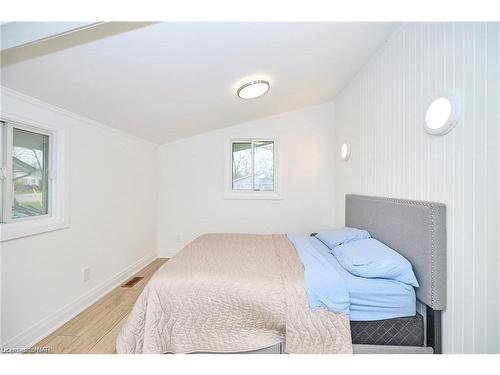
372,259
336,237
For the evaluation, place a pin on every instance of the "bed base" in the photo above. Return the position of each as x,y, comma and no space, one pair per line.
358,349
433,341
433,330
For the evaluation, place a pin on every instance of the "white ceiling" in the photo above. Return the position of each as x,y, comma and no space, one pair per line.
166,81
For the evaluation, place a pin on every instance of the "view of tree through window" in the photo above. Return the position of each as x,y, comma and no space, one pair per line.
263,166
30,173
253,165
242,166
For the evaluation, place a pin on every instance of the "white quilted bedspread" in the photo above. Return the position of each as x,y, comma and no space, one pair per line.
231,293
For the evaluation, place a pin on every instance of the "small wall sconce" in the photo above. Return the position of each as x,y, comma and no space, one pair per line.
442,115
345,151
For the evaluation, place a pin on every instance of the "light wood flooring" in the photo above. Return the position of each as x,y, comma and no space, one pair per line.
94,330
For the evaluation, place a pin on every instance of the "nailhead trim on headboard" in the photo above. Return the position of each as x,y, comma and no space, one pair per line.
431,210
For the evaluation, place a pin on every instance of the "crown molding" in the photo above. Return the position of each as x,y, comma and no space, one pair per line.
63,112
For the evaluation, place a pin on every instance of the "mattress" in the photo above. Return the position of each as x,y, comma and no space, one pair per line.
406,331
372,299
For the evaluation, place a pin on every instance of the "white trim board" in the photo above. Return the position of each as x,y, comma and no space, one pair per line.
46,326
21,34
168,253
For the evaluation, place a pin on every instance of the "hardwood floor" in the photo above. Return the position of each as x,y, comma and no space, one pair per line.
94,330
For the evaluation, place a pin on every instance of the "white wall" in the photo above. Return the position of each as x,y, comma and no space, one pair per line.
381,113
113,189
191,198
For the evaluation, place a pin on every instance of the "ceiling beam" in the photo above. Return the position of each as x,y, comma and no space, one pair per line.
18,34
36,45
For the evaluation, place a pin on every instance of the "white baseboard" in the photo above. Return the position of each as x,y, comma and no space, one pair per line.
46,326
167,253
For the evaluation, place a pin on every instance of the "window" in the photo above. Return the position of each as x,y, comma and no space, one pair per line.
252,169
31,199
26,168
30,178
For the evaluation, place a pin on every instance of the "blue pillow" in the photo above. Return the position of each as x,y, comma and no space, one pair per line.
372,259
336,237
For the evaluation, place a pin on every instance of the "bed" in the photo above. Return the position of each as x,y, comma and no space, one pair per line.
241,293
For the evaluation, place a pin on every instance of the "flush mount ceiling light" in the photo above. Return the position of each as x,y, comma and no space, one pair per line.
442,115
254,89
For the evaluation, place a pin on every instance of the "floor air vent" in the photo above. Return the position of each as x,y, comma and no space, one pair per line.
132,282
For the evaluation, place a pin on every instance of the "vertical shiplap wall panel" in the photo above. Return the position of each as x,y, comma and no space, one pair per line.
494,235
381,112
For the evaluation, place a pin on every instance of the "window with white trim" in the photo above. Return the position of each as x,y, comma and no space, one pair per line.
31,200
252,165
252,169
26,174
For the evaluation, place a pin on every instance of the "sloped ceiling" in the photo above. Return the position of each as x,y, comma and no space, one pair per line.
166,81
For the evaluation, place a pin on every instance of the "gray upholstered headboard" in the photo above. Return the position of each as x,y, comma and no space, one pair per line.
417,230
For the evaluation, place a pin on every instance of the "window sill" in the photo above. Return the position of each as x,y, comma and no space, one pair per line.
11,231
269,196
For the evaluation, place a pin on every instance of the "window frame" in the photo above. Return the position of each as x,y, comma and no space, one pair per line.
8,185
58,201
229,192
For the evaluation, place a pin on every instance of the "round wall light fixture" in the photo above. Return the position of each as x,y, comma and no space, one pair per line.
442,115
253,89
345,151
